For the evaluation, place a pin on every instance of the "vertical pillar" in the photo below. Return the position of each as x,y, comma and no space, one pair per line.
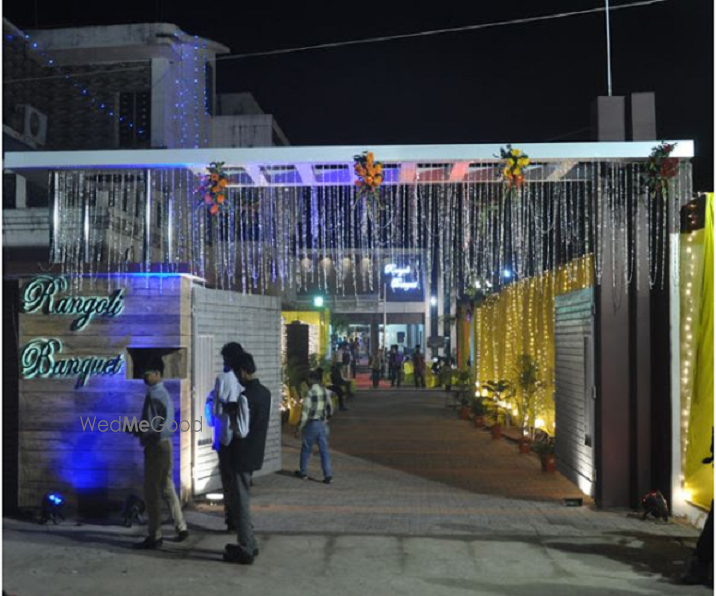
613,416
640,361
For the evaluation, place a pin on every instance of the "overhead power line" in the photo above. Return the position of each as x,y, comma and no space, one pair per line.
339,44
354,42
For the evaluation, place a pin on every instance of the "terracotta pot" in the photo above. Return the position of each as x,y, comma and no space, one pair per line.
465,413
524,445
479,421
549,464
496,431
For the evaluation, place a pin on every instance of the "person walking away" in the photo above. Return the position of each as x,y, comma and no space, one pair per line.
376,366
246,456
340,386
395,366
158,410
354,358
229,415
419,367
317,410
346,362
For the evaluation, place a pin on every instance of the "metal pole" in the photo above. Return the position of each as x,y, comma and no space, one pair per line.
147,219
609,52
385,315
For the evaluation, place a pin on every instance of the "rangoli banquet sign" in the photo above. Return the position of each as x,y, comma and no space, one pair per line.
39,357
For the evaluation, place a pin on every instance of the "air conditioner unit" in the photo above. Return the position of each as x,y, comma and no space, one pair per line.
35,128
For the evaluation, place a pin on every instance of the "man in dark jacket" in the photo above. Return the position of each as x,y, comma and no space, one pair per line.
247,456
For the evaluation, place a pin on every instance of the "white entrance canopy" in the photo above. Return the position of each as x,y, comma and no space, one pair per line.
330,165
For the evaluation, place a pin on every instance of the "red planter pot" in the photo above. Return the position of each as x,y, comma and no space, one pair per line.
465,413
549,464
496,431
524,445
479,421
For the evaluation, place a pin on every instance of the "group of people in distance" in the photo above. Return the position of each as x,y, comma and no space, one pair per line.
395,361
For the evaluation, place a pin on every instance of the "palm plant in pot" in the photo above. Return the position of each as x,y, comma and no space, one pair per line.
478,412
463,393
544,447
528,385
497,389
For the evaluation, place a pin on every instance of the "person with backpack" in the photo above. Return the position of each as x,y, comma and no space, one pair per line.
317,409
246,455
228,413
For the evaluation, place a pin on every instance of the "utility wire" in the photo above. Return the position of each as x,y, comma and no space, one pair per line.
368,40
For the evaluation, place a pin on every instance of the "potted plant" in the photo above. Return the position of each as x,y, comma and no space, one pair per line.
497,388
529,385
545,450
478,411
463,394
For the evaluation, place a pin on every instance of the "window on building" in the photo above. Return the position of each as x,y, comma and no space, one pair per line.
209,92
135,122
8,191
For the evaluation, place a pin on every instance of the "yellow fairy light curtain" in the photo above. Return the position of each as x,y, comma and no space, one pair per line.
697,356
520,320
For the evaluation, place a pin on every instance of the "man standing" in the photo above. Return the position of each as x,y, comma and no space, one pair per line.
419,367
158,410
247,456
229,415
395,365
317,409
339,386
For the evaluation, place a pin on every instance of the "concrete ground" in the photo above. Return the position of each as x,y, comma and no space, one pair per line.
421,503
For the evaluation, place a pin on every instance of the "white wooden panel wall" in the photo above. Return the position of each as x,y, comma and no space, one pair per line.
254,322
574,377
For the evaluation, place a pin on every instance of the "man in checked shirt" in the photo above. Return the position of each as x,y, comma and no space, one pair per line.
317,408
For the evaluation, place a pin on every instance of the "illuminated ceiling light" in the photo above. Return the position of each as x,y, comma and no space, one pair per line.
507,273
318,301
433,301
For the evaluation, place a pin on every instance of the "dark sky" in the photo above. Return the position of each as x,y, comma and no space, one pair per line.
520,83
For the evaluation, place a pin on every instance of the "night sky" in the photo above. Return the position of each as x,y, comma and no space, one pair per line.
521,83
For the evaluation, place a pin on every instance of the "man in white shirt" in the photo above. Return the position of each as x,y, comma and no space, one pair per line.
229,416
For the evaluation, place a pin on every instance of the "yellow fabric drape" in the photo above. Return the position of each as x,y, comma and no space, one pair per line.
697,252
520,320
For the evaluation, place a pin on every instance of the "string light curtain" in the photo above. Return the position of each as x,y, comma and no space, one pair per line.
286,236
520,320
697,356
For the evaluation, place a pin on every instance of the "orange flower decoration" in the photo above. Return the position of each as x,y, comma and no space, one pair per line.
213,188
369,173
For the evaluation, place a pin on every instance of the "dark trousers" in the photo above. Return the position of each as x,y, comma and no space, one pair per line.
705,545
419,379
239,493
395,375
340,392
226,474
376,377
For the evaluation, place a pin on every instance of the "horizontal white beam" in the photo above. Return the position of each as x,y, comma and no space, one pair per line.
423,154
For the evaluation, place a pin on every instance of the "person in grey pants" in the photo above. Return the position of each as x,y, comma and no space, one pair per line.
246,455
